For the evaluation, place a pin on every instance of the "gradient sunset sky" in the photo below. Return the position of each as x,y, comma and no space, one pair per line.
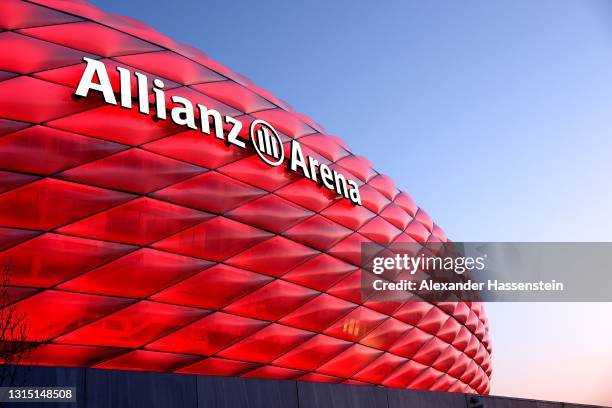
495,116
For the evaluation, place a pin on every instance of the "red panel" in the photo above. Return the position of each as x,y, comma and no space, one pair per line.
271,213
433,321
50,203
252,170
139,222
173,66
285,122
32,100
410,343
385,185
481,355
11,236
349,288
386,334
430,351
437,231
463,338
446,359
34,55
468,375
12,294
272,301
137,275
18,14
10,180
350,361
9,126
195,147
229,284
60,149
328,146
142,360
396,216
359,166
133,326
472,322
412,313
417,231
319,272
372,199
318,232
425,380
68,356
115,123
405,201
208,335
379,230
273,257
356,324
349,249
212,192
269,96
344,213
6,75
216,239
461,313
308,194
266,344
235,95
443,383
472,347
379,369
385,305
50,258
148,171
71,310
405,374
91,37
319,313
313,352
424,218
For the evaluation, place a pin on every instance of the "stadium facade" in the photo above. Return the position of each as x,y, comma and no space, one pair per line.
132,240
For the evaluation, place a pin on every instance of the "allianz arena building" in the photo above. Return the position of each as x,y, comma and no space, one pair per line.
136,239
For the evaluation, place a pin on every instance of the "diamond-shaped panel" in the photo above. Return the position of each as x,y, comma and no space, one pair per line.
61,150
138,274
148,171
35,55
33,265
91,37
50,203
213,192
138,222
133,326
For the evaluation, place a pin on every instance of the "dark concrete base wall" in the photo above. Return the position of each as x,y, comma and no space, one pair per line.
130,389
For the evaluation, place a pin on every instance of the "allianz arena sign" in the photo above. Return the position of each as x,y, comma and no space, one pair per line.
264,138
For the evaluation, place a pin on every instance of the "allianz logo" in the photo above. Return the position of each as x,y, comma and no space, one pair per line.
264,139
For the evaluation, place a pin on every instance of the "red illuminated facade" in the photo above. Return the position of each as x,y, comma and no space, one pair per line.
137,244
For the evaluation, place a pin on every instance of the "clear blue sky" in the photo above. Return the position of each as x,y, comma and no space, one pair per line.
495,116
